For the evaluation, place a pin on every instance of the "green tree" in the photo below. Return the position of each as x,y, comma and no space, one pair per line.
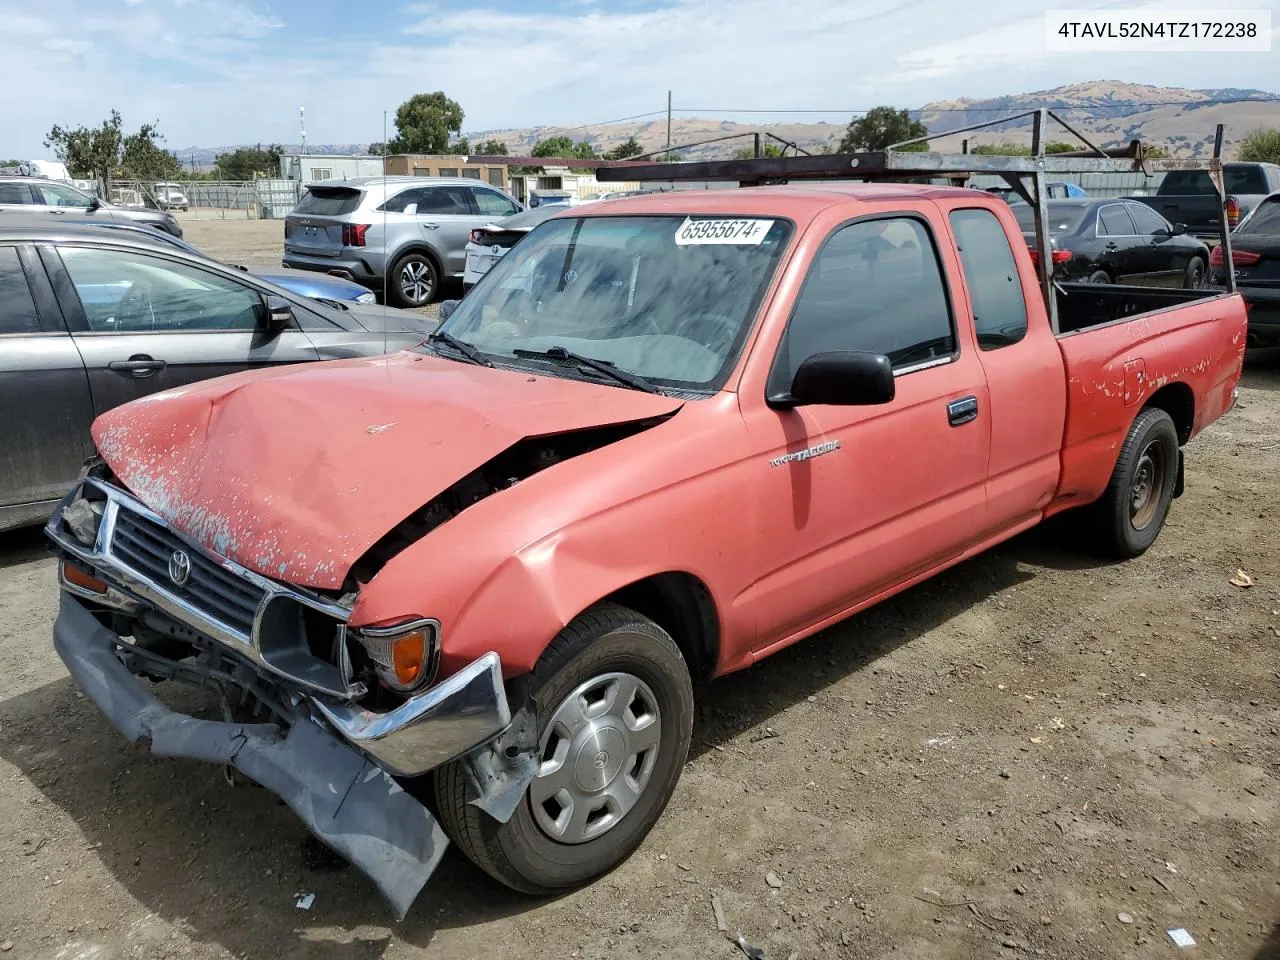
424,124
749,153
1011,148
461,146
492,148
142,157
246,162
880,127
89,152
563,147
1260,146
628,148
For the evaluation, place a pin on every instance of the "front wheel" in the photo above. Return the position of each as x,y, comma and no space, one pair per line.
1193,279
1099,276
615,715
1133,509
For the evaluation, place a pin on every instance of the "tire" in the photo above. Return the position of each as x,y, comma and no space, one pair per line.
524,853
414,281
1099,276
1128,519
1193,279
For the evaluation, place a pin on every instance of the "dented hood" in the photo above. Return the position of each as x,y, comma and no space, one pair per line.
296,472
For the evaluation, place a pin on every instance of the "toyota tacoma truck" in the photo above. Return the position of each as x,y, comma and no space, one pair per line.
662,439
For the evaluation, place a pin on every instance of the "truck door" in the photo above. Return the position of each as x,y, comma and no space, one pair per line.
1024,372
854,500
45,409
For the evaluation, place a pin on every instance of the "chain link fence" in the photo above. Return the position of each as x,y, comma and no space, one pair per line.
262,199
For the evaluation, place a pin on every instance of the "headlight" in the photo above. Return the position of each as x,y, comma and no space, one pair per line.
367,297
405,655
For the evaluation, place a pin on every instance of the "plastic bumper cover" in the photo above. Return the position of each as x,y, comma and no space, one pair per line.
345,799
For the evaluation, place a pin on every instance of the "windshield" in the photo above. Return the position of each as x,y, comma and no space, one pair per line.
1062,219
667,298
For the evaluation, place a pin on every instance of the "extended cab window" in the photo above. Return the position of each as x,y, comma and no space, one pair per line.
990,273
876,286
19,313
131,293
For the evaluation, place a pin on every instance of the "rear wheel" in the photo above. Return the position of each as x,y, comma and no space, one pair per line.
1133,509
1099,276
615,716
1193,279
414,281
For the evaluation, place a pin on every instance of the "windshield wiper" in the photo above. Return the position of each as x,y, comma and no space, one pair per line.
467,350
634,381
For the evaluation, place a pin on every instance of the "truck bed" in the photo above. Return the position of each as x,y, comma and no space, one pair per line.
1123,345
1083,306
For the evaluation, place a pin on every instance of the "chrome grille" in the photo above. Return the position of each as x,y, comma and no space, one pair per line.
216,592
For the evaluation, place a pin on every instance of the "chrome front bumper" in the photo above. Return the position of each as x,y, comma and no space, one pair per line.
443,722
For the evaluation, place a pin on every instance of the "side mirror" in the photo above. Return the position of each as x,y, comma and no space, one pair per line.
279,314
1180,229
846,378
446,309
94,204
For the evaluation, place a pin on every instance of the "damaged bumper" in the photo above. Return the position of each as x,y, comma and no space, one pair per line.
342,796
332,761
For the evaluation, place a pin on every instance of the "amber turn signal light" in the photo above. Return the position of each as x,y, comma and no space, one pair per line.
409,657
85,581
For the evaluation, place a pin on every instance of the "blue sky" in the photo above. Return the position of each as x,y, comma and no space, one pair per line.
218,72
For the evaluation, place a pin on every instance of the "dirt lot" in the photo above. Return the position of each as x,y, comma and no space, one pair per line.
1032,755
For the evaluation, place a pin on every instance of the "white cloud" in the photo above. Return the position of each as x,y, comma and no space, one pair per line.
230,71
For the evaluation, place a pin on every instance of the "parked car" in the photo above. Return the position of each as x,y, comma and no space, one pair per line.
170,196
664,438
1118,241
489,243
90,319
1057,190
1255,251
398,234
550,198
1188,196
318,286
37,195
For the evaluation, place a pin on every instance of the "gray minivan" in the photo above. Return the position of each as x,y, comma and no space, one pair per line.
401,235
93,318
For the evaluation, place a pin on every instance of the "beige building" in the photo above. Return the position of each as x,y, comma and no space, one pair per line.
447,165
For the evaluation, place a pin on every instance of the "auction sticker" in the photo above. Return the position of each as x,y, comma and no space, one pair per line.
749,232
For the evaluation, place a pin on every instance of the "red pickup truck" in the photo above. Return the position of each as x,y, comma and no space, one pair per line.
663,438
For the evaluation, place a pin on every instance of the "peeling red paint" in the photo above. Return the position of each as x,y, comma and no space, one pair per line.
296,472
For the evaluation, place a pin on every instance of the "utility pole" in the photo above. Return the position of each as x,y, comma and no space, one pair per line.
668,121
302,125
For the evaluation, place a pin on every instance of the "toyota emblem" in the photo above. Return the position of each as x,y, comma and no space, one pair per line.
179,567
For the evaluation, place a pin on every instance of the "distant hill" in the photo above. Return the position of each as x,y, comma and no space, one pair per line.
1111,112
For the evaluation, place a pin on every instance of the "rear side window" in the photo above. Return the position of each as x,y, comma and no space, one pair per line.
1265,219
1114,221
876,286
329,201
15,193
995,290
19,313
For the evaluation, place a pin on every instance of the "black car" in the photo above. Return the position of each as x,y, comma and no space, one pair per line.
1255,251
1118,241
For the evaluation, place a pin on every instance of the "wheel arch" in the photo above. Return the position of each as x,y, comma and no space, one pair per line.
683,606
1177,400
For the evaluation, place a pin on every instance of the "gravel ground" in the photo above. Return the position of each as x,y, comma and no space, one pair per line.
1033,755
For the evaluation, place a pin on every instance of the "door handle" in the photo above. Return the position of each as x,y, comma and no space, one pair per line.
431,225
962,410
140,365
1110,246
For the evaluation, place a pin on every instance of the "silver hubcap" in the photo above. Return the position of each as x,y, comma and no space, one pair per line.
415,281
598,753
